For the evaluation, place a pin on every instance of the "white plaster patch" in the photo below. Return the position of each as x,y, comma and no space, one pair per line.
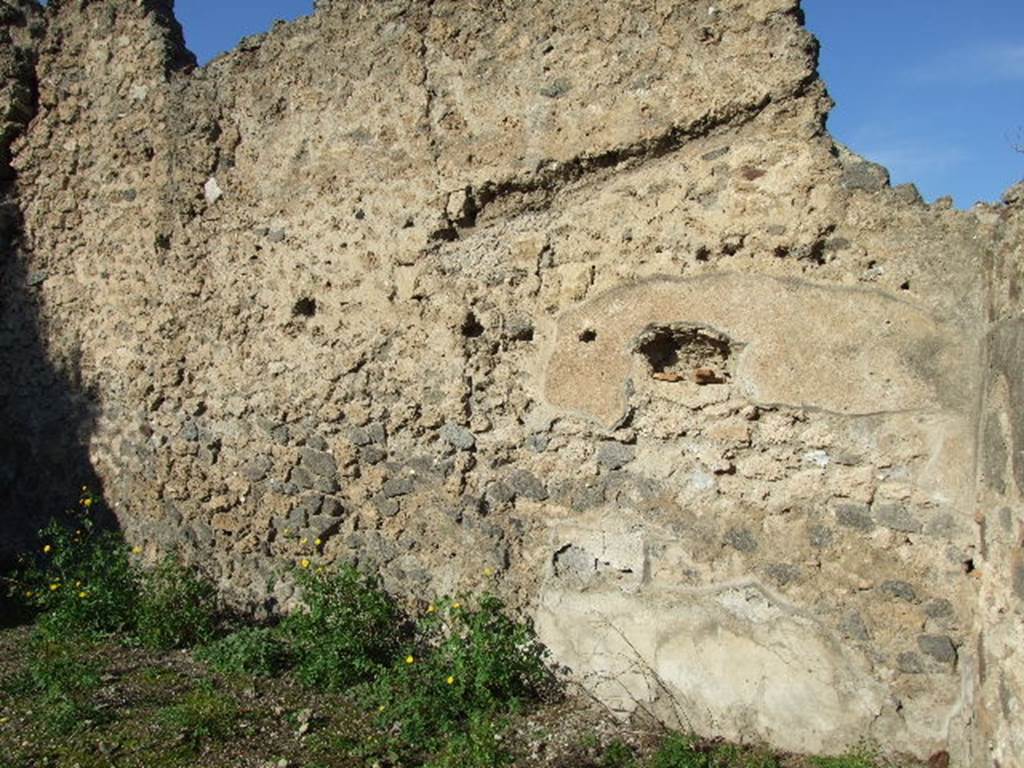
817,458
212,191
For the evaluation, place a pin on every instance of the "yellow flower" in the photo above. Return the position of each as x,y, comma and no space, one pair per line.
303,540
54,587
304,563
47,549
136,550
488,571
451,679
318,542
83,594
78,583
431,608
29,593
380,708
87,502
409,660
456,606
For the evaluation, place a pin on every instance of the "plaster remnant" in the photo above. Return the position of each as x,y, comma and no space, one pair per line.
738,422
910,365
212,191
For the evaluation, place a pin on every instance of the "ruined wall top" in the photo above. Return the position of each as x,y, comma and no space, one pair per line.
581,295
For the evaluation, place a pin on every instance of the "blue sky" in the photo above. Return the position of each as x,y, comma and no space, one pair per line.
215,26
932,89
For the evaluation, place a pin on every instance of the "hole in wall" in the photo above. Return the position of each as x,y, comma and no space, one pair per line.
519,330
587,335
304,307
686,353
471,327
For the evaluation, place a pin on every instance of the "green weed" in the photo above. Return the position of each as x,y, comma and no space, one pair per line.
467,666
84,584
480,745
176,607
348,631
80,578
682,751
257,651
203,714
62,682
618,755
494,662
862,757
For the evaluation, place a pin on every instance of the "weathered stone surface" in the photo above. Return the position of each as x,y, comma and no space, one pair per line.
897,517
615,455
741,539
318,462
708,656
899,589
528,485
398,486
939,647
458,437
579,292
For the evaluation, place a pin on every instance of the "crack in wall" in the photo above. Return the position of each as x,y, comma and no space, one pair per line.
428,101
538,190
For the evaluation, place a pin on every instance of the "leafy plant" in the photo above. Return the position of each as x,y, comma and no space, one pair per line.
257,651
618,755
481,745
679,751
84,583
176,607
466,666
63,681
496,662
203,714
684,751
80,577
348,631
862,757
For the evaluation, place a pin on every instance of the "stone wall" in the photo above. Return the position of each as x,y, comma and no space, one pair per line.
999,622
42,440
575,301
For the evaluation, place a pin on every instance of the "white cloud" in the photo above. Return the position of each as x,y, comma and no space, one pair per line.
908,161
1007,61
981,63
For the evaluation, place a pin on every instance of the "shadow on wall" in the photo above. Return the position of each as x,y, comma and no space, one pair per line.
46,415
